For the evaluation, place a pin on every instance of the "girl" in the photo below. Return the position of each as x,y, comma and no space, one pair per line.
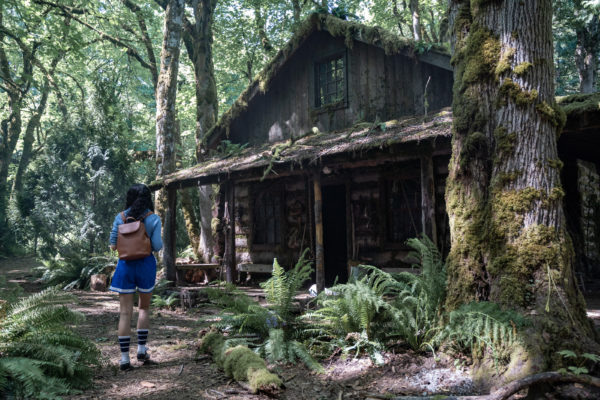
135,275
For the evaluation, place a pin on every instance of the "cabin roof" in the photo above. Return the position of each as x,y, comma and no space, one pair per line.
350,31
583,112
314,147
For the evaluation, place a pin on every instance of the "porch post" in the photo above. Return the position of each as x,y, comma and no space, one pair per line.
428,198
169,235
229,256
319,253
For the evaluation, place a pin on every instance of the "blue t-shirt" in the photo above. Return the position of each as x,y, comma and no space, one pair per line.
152,224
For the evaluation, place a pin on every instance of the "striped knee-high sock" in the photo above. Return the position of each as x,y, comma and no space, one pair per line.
142,335
124,342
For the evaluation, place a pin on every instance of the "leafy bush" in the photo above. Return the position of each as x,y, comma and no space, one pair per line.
41,356
74,271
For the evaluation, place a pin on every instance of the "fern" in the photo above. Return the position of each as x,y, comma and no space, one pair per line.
479,325
42,357
276,325
282,287
74,271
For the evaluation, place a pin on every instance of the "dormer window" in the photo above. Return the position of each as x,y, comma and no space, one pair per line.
330,80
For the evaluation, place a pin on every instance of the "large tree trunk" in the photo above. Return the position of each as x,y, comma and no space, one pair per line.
166,92
586,54
504,197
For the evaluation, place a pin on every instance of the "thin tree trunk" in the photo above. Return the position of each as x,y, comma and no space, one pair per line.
416,19
586,54
503,196
166,93
28,137
297,7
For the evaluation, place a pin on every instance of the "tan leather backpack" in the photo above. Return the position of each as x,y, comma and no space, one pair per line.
133,242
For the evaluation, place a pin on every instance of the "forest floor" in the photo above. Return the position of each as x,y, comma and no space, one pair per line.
182,374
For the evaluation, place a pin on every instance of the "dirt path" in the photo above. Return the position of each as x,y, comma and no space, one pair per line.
180,375
172,343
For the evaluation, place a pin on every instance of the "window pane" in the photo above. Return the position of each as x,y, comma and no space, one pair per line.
330,81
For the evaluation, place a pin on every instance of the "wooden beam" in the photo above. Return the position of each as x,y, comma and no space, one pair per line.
229,257
428,198
169,236
319,250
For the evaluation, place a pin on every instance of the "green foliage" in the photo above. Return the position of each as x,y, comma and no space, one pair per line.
576,363
169,302
41,356
228,149
281,288
277,325
379,306
480,325
75,270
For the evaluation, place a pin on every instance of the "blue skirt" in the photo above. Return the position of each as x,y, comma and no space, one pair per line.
135,275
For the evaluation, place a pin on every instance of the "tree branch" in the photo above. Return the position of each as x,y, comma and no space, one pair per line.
114,40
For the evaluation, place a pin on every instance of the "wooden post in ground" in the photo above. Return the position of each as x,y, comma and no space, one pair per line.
428,198
169,235
229,256
319,251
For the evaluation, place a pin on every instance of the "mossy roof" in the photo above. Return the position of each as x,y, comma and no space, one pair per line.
578,104
349,30
317,146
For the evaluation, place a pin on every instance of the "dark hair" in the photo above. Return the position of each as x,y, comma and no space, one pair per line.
138,200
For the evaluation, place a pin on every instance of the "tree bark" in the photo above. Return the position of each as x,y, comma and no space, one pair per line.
586,54
416,19
28,137
166,93
504,198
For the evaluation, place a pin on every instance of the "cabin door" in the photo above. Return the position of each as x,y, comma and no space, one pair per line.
334,234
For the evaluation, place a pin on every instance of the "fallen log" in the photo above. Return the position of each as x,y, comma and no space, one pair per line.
241,364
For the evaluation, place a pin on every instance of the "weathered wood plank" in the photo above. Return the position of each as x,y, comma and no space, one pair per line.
319,250
255,268
428,198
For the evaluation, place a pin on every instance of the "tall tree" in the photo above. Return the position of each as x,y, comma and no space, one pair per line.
166,93
504,197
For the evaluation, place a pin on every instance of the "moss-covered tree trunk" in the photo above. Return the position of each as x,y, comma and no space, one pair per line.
198,40
166,93
504,197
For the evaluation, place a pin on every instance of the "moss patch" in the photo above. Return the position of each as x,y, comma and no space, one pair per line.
511,89
240,363
522,68
579,103
552,113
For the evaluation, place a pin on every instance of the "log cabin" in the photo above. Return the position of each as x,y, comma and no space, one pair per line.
341,145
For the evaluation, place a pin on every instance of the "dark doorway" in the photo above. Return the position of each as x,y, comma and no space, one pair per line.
334,234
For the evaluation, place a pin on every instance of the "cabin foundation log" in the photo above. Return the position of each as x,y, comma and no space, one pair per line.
319,251
169,235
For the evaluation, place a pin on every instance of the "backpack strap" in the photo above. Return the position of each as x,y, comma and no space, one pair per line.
123,218
146,216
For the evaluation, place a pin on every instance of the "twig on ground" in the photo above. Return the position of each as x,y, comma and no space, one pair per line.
219,394
180,369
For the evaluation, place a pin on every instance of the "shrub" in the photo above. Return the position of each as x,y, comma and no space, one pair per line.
41,356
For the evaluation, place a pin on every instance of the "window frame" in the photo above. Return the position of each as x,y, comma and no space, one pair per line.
343,103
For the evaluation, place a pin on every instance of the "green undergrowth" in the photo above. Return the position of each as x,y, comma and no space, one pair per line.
276,326
73,271
239,362
41,356
366,315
